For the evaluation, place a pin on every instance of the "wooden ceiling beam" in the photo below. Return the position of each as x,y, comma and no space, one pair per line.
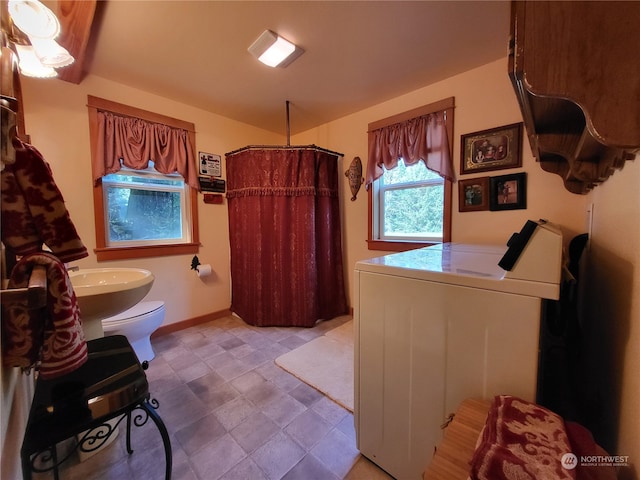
76,20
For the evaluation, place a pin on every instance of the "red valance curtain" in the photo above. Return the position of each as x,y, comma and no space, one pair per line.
421,138
284,231
132,142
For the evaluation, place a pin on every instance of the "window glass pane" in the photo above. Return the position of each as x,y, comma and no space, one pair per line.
414,212
413,173
136,214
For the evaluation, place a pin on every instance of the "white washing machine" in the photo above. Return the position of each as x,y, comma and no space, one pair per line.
440,324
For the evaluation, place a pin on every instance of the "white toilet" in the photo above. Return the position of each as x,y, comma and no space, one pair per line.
137,324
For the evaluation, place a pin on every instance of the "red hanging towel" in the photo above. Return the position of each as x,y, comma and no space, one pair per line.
51,336
33,210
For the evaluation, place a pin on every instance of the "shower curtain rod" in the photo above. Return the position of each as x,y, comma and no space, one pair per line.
284,147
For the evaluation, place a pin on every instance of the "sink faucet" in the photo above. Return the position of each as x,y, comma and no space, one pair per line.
74,268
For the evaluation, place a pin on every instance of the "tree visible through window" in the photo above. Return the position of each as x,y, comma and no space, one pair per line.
411,203
144,206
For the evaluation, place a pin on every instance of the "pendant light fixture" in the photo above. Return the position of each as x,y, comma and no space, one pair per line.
35,28
34,18
30,65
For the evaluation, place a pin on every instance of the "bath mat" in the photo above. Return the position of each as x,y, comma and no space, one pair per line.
325,363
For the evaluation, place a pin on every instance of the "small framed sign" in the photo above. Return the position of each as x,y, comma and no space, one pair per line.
210,164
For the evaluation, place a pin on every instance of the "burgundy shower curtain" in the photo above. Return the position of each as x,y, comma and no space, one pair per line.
284,230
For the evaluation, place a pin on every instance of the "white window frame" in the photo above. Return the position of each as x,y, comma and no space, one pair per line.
379,190
185,204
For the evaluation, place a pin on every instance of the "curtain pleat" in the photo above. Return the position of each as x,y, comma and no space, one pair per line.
285,236
132,142
421,138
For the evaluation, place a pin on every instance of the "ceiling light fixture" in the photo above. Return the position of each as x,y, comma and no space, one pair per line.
273,50
34,19
30,65
33,32
51,53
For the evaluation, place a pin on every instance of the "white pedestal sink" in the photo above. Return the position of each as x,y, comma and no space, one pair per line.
105,292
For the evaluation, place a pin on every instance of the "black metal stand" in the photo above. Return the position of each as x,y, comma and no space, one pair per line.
112,384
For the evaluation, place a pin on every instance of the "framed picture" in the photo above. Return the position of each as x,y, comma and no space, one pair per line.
493,149
210,164
508,192
473,194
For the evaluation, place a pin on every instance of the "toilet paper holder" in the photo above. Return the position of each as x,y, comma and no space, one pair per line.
201,270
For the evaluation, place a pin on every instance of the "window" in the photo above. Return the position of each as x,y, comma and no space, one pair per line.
145,207
139,211
410,205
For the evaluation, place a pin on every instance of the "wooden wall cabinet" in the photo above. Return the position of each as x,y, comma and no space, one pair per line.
576,72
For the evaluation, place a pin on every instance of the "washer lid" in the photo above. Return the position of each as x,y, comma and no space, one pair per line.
142,308
465,265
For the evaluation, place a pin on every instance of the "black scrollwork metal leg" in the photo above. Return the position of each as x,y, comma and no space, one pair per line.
129,449
26,467
95,438
43,461
149,406
54,459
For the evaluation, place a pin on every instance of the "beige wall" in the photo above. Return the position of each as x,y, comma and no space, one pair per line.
611,375
57,121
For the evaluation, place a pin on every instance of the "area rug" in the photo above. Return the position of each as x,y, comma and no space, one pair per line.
325,363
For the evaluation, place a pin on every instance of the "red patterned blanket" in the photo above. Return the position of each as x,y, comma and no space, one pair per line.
525,441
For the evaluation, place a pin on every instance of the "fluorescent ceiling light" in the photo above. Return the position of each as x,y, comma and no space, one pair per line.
276,53
273,50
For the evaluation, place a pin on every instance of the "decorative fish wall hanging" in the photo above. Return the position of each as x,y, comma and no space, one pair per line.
354,174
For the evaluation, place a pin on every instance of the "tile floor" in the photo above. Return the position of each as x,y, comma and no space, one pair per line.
233,414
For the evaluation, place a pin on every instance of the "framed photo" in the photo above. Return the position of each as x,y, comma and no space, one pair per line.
493,149
210,164
508,192
473,194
